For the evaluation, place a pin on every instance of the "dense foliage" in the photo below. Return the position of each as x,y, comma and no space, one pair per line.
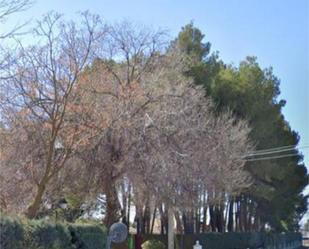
37,234
153,244
22,233
252,92
230,240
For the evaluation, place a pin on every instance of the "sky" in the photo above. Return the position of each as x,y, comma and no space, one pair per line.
275,31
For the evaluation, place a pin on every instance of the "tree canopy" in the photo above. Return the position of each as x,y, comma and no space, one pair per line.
252,93
109,116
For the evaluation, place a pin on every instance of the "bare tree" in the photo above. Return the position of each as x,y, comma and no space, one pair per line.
8,8
39,85
112,98
181,146
149,122
130,114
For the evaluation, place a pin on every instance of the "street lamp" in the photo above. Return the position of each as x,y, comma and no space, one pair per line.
62,204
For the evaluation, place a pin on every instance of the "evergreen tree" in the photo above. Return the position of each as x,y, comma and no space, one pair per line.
252,93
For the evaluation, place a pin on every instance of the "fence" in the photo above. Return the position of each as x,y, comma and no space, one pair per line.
222,241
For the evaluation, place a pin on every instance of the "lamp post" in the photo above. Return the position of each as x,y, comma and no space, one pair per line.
62,204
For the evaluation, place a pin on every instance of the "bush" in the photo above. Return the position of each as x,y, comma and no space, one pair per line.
88,236
43,235
153,244
11,233
16,233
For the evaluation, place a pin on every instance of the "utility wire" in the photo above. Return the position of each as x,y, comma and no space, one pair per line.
258,154
261,153
270,157
277,148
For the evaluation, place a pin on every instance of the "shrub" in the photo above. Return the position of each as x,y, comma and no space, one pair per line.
11,233
153,244
43,235
17,233
88,236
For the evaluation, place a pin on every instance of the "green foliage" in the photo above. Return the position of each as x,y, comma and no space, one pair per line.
153,244
190,41
71,213
252,93
204,66
17,233
235,240
220,241
43,235
36,234
11,233
88,236
74,211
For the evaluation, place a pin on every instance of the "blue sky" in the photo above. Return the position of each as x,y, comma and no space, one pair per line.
275,31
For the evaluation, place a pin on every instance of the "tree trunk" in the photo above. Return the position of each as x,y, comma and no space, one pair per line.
170,214
112,203
197,220
230,217
226,208
139,219
204,213
204,219
146,218
124,215
237,218
164,222
188,222
212,218
129,206
153,219
178,223
33,209
219,218
250,215
242,214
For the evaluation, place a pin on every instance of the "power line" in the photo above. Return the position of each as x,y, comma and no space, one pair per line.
278,148
270,157
264,152
275,148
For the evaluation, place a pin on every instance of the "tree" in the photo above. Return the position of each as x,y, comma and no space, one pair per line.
9,8
119,100
183,149
37,94
252,93
111,98
204,66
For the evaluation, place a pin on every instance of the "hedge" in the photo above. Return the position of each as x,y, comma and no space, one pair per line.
153,244
17,233
232,240
88,236
45,235
11,233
